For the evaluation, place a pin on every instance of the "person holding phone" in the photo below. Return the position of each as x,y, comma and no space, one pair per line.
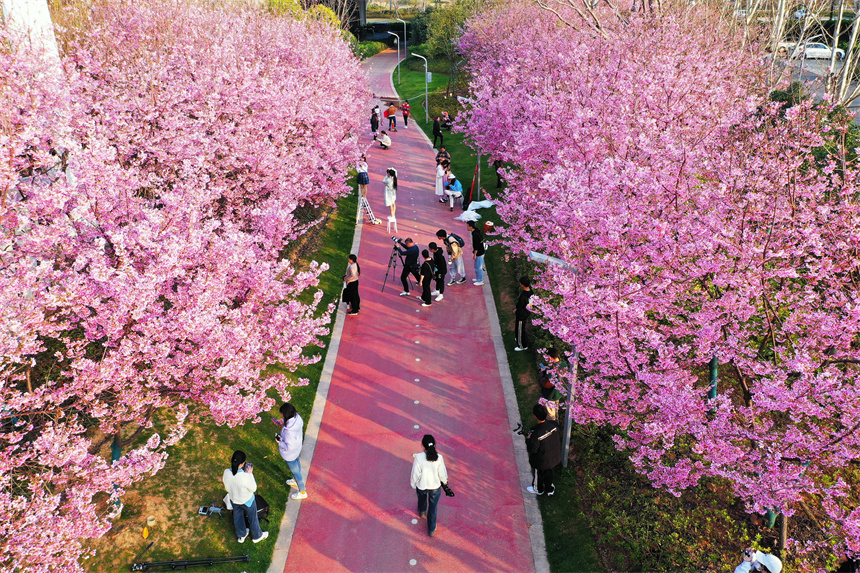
240,484
290,446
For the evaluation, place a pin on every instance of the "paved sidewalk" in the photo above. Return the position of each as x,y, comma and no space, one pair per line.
403,371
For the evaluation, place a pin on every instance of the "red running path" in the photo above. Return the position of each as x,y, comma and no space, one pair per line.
358,516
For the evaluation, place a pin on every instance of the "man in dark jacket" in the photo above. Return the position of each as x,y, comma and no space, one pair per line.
522,313
544,446
410,265
427,272
441,270
437,132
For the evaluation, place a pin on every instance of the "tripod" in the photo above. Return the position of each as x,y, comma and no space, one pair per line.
392,264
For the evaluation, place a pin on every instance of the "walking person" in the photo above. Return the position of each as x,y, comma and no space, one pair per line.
350,293
290,447
477,253
390,183
405,110
374,121
544,446
428,475
437,132
522,313
427,273
363,179
441,271
441,170
410,264
454,246
392,117
240,484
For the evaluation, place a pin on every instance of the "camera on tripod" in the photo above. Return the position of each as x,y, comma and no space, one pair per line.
395,239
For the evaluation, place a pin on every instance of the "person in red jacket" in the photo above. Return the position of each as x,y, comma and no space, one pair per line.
405,109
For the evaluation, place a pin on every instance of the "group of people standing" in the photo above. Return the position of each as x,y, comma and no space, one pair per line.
390,114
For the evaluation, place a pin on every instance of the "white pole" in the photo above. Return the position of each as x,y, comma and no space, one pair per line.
426,102
397,41
405,53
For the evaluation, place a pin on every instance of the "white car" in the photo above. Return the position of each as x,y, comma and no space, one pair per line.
818,51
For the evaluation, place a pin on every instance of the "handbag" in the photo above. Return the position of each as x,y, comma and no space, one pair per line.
448,491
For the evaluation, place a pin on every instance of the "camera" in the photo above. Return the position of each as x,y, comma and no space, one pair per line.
519,429
395,239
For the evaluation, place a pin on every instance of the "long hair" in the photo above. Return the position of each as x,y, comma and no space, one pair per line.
429,443
288,411
354,259
393,173
237,460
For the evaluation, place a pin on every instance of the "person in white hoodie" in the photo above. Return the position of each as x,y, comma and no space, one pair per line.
290,447
758,561
240,485
428,475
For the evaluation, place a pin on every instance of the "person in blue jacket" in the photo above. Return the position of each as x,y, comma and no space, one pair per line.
454,190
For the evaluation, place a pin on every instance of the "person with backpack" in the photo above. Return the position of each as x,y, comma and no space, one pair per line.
454,245
522,313
427,273
441,271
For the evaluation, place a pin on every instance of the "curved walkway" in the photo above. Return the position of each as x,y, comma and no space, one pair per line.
402,371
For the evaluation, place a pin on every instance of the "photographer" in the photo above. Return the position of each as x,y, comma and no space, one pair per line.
410,264
758,561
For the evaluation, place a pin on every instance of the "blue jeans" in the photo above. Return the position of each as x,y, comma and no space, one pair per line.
479,268
240,512
431,495
296,468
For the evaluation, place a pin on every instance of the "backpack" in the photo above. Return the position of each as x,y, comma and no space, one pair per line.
459,239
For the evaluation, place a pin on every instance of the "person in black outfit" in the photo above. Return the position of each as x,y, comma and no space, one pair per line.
437,132
427,272
544,447
410,265
522,313
477,252
441,270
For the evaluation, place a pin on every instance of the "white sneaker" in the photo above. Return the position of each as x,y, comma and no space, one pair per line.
299,495
425,304
242,539
440,297
292,482
478,283
404,293
434,293
518,349
262,537
453,282
530,489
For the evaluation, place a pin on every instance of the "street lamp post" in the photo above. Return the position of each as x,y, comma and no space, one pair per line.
565,446
426,103
405,55
397,41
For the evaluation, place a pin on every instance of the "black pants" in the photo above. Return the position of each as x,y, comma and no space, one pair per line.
520,333
425,291
542,480
350,295
440,282
406,119
404,276
392,123
441,139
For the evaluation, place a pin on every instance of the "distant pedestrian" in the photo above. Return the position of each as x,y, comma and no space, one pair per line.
404,108
544,447
241,486
290,447
427,274
384,141
437,132
441,169
392,117
441,268
374,121
428,475
353,271
522,313
477,253
453,246
390,183
363,179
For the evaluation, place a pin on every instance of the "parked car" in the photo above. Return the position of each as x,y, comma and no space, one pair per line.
817,51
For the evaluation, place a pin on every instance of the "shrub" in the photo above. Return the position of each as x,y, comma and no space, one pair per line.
364,50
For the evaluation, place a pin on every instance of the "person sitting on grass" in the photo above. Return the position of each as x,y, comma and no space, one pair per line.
384,140
447,122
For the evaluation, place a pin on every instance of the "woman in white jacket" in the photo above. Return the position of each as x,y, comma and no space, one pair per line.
428,475
290,447
240,485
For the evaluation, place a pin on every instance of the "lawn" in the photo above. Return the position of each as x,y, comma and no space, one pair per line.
192,474
570,544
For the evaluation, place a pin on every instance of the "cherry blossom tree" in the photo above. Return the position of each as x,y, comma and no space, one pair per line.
703,221
147,195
